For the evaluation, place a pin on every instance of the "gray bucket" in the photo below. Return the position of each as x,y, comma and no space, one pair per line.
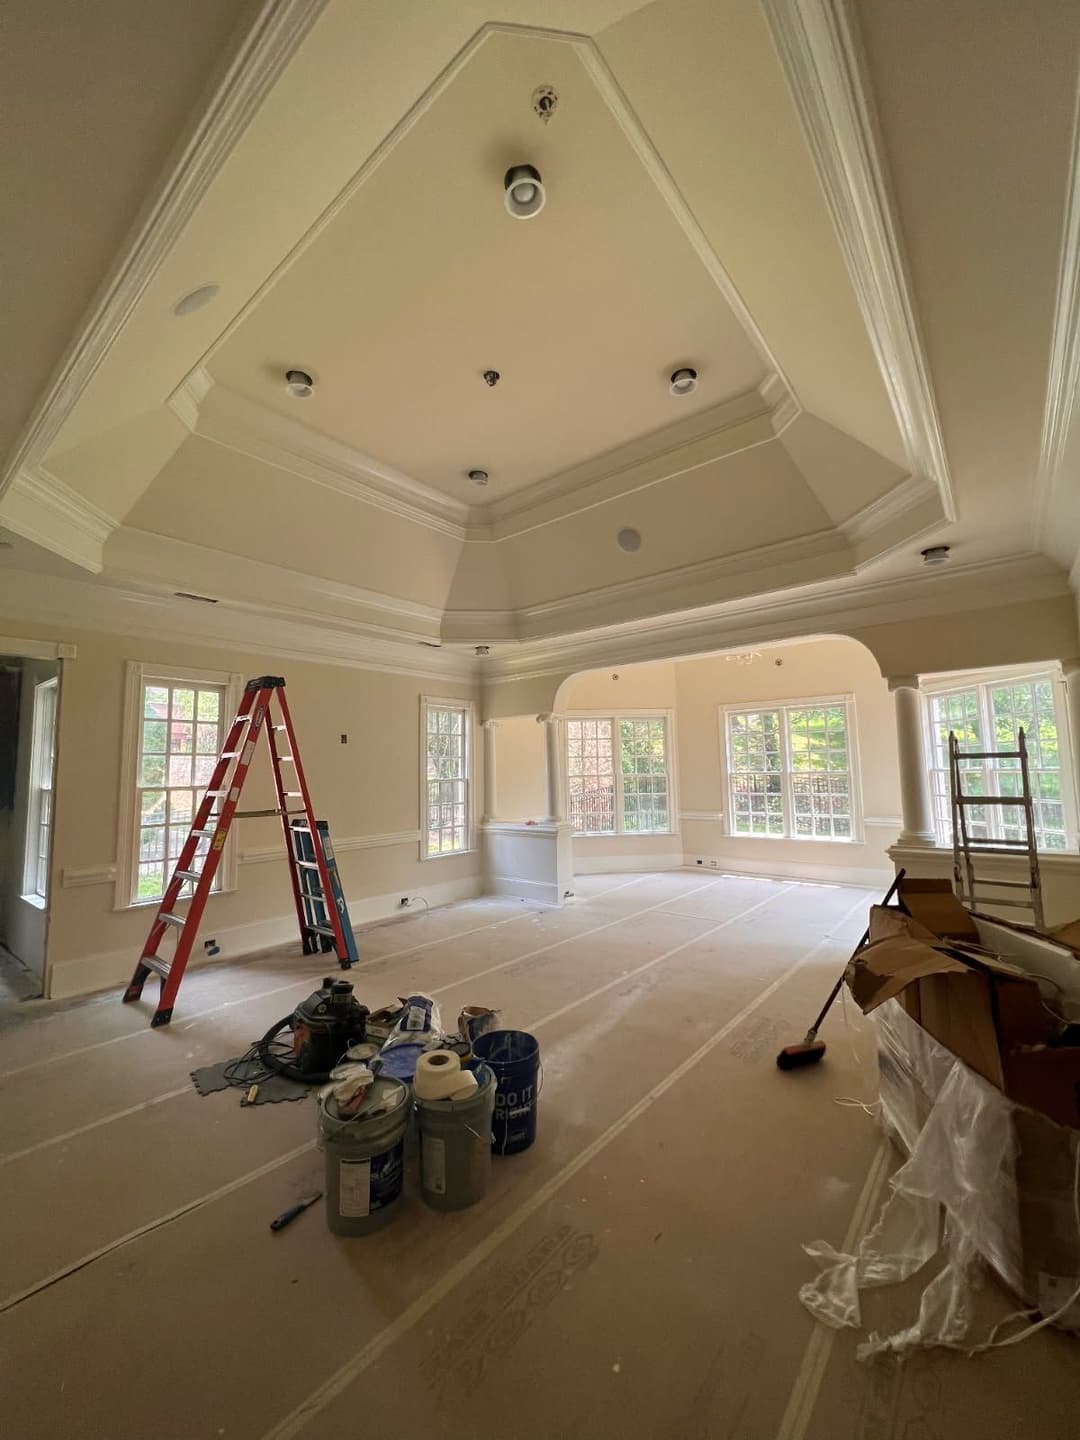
364,1157
455,1145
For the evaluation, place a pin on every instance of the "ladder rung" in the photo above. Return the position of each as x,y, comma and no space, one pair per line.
157,965
996,900
1005,884
186,875
303,829
293,794
307,865
229,754
321,929
204,832
242,720
997,848
991,800
177,920
277,727
287,757
254,814
214,792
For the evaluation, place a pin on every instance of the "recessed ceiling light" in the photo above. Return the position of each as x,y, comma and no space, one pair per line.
479,477
683,380
196,299
935,554
628,540
299,384
524,189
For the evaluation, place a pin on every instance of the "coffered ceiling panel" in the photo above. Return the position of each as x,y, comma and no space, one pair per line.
422,281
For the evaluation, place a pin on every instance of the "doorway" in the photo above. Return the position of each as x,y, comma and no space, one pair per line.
29,708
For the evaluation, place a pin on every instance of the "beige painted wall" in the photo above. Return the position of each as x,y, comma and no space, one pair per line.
816,668
520,779
370,786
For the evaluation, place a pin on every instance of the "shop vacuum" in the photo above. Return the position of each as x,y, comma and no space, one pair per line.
323,1027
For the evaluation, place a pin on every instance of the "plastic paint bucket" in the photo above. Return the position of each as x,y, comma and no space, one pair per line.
514,1056
364,1157
455,1145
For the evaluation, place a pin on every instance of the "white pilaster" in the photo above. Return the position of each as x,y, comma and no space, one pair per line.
491,805
915,804
552,765
1071,671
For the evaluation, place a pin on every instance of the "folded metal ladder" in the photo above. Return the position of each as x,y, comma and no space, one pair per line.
966,848
320,904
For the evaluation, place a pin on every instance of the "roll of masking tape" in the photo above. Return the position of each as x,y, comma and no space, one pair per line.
438,1075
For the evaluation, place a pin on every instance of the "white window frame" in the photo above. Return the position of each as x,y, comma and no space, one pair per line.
982,682
468,708
857,836
140,673
668,717
39,825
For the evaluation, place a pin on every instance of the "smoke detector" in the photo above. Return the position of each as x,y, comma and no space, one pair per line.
196,299
524,195
935,554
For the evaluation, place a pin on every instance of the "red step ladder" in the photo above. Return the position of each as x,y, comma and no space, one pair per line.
321,926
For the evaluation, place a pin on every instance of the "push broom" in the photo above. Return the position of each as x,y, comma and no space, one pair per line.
810,1049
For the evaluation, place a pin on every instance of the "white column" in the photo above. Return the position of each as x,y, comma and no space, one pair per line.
915,805
1071,671
552,766
491,807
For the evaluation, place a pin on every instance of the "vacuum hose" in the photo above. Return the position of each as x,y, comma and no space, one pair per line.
283,1066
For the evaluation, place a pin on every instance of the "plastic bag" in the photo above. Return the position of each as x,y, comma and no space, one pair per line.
418,1028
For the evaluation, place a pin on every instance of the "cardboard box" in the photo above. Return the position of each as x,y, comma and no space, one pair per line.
988,1012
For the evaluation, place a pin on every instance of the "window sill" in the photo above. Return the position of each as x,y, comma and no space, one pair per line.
449,854
799,839
36,901
624,834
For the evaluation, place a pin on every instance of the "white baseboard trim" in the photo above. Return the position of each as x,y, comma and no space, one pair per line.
794,870
114,967
614,864
541,892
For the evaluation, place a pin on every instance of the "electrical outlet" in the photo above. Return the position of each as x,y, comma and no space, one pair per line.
403,902
714,864
700,861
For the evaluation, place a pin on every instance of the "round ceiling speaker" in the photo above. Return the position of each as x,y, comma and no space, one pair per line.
628,540
935,554
196,299
524,194
683,380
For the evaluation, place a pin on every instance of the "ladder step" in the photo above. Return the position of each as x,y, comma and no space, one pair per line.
988,755
277,727
177,920
306,864
996,848
287,757
157,965
320,929
214,792
186,875
1004,884
207,833
977,899
990,800
293,794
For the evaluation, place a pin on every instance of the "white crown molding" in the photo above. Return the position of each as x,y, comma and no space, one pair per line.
239,423
162,565
820,56
808,557
274,36
43,509
68,605
834,607
350,842
1055,529
911,492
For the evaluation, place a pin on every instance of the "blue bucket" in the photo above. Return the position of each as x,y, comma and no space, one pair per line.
514,1057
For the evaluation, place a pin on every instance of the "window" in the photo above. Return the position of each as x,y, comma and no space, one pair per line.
789,771
175,728
446,736
39,815
987,715
618,774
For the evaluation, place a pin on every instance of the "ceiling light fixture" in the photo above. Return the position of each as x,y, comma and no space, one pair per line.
628,540
196,299
935,554
299,384
479,477
525,195
683,380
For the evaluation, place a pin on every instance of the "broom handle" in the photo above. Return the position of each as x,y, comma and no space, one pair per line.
840,978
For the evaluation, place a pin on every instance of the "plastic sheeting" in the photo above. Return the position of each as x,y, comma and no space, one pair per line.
985,1180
